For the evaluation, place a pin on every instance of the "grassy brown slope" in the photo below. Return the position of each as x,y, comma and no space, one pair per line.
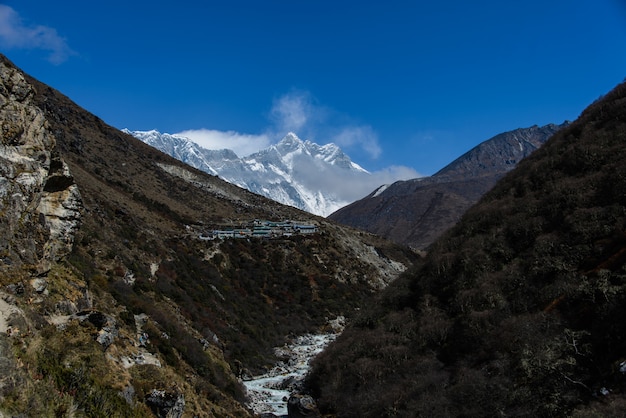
215,308
519,310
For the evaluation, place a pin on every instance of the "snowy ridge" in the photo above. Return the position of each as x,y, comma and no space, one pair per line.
298,173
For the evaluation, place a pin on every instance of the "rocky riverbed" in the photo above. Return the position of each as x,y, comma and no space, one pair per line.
269,392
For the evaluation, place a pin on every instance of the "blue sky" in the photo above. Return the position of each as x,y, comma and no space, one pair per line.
401,86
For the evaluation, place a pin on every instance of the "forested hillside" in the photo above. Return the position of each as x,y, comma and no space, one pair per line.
519,310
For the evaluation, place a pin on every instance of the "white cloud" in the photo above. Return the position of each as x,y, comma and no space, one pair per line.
241,144
293,111
15,34
298,112
394,173
360,186
359,136
349,186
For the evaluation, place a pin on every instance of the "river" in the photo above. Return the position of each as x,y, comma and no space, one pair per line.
269,392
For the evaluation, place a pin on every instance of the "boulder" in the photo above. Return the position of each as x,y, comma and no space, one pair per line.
166,404
302,406
105,324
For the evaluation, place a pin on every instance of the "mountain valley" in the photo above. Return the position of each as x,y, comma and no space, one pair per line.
135,285
411,212
114,301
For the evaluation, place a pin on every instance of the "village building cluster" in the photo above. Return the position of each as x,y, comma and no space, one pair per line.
264,229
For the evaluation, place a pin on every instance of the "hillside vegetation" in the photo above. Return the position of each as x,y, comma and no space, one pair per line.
519,310
113,303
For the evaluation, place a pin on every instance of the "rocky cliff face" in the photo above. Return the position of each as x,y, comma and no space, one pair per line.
39,202
416,212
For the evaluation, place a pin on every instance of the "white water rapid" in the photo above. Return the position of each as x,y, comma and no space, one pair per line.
268,393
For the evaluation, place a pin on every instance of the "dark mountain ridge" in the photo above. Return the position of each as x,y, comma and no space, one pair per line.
416,212
518,310
113,302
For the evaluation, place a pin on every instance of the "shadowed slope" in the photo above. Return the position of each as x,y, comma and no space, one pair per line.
518,310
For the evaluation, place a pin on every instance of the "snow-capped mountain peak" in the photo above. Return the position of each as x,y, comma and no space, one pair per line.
332,154
329,153
291,140
292,171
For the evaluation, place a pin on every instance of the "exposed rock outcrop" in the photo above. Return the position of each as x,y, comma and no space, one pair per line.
61,207
105,324
166,404
39,202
